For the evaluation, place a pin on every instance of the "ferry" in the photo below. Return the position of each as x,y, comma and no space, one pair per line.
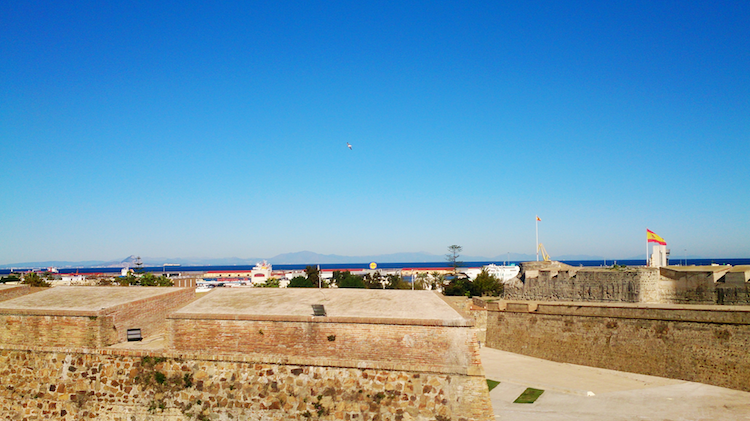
504,272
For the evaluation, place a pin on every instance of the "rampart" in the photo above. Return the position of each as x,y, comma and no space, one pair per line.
724,285
371,343
630,285
706,344
259,354
118,385
87,316
554,281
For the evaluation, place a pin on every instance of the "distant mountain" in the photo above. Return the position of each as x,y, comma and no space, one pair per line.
304,257
309,257
512,257
300,257
54,263
131,260
577,257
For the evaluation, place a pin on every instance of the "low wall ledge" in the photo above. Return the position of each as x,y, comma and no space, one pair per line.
256,358
325,319
668,312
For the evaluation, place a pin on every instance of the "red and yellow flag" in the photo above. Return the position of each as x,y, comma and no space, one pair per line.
538,218
651,237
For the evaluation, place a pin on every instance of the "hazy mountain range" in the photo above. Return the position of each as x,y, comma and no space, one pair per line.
301,257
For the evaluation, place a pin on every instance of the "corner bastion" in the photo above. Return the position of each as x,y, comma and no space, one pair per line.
362,328
262,354
86,316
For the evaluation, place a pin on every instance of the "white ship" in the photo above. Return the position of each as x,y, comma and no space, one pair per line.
504,273
258,275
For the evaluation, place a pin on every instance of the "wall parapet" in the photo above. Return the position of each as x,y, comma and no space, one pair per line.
325,319
389,346
665,312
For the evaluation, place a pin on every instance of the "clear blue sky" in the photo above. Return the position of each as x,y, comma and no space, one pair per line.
180,129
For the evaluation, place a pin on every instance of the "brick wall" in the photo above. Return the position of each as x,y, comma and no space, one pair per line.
707,344
55,330
435,348
148,314
89,329
116,385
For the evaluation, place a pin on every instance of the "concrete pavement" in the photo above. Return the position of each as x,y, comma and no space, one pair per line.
574,392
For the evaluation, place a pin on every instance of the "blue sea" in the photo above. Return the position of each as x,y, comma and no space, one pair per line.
359,266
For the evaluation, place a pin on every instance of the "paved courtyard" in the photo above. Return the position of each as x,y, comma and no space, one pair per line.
574,392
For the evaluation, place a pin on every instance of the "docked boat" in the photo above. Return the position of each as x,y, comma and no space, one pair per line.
503,272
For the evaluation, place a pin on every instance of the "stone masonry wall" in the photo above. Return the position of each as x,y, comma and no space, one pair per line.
471,308
667,285
707,344
121,385
629,285
724,288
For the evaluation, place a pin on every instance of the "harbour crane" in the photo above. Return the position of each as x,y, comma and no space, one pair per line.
542,250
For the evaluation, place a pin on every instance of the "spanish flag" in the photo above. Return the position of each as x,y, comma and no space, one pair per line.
538,218
653,238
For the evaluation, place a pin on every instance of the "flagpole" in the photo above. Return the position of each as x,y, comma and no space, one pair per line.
646,246
536,222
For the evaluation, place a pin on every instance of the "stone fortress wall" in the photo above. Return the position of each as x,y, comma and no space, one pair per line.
219,363
120,385
706,344
682,322
555,281
214,366
66,316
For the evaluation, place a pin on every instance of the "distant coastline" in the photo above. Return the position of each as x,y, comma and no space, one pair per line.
364,265
309,257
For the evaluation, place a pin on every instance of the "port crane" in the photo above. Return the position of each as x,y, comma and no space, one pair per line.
543,251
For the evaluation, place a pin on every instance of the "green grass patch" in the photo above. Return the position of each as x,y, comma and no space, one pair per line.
529,395
491,384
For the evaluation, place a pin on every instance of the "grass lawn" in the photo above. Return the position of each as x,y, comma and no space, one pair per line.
529,395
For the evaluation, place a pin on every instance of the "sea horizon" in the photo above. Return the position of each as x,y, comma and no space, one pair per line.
366,265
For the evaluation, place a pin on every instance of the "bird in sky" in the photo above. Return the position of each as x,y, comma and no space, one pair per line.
349,145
